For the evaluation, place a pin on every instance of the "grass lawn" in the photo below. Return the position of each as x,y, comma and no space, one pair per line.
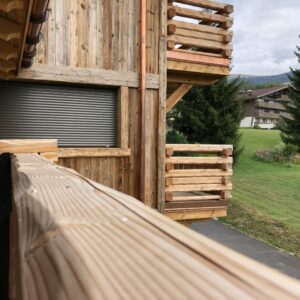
266,196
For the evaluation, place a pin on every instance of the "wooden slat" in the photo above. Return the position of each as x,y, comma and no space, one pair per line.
213,5
203,16
199,27
197,68
178,77
104,244
199,160
199,187
194,214
93,152
198,173
200,35
200,43
194,180
27,146
123,131
177,95
197,58
196,204
194,198
198,148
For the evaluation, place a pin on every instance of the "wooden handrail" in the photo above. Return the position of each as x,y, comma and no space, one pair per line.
75,239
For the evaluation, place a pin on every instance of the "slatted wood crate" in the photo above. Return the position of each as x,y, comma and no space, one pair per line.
198,186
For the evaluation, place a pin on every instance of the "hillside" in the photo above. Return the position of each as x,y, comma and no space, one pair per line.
259,80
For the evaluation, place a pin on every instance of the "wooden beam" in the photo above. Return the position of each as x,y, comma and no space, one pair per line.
87,76
194,79
7,75
213,5
198,172
197,68
200,44
194,214
177,95
93,152
9,5
198,160
198,187
172,29
123,122
198,58
199,148
195,197
9,30
83,240
27,146
225,21
199,27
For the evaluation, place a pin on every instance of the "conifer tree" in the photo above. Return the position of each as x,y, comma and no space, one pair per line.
211,115
290,126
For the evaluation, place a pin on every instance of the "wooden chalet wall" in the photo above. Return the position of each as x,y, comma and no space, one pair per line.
97,42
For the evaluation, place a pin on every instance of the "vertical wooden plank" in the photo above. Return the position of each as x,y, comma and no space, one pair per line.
123,117
162,106
107,34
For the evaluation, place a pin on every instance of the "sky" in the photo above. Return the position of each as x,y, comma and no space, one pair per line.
266,33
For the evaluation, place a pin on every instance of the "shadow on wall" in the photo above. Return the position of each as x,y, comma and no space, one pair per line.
5,209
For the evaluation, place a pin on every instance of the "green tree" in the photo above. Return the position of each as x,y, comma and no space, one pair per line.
211,115
290,127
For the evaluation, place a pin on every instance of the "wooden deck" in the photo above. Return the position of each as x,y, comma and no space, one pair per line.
75,239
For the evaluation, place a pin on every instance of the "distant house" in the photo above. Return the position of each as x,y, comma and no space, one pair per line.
264,107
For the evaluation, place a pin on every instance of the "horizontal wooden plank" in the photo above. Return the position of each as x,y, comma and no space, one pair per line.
198,148
172,29
203,16
194,57
213,5
178,77
198,173
199,27
197,68
199,160
83,240
196,204
188,197
93,152
194,214
87,76
199,187
194,180
199,43
28,146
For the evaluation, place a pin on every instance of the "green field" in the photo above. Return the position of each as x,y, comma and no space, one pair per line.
266,196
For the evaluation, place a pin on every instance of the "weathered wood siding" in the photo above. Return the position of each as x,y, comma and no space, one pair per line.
91,33
111,171
105,35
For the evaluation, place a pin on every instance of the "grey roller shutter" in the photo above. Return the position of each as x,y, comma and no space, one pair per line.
76,116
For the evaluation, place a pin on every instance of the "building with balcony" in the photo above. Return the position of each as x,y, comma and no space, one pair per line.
264,107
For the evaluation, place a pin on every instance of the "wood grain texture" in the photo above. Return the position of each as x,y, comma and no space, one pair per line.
72,238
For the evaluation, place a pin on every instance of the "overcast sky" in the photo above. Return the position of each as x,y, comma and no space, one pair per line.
265,36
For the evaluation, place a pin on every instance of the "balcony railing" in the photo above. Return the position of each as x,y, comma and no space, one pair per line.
72,238
270,105
198,186
199,37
